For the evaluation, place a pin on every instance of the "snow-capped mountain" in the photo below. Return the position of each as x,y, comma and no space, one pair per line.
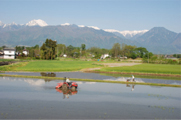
127,34
81,25
94,27
11,24
1,23
132,33
156,40
41,23
65,24
38,22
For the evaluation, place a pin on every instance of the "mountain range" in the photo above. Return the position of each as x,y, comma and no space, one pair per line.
157,40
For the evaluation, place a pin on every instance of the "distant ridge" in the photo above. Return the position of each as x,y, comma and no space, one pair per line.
158,40
161,40
127,34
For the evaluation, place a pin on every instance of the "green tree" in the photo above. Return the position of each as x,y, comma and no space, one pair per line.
128,51
83,47
141,51
61,49
116,49
177,55
70,49
33,51
48,49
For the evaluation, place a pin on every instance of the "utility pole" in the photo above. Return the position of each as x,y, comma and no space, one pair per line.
57,51
148,57
63,50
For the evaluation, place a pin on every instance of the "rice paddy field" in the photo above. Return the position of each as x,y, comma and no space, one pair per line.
54,66
27,98
27,94
146,68
58,66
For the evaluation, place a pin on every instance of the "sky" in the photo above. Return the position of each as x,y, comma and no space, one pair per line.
106,14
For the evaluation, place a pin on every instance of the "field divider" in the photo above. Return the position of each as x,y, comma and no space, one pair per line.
135,73
91,80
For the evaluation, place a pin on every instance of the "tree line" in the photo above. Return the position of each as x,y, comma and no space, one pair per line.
51,50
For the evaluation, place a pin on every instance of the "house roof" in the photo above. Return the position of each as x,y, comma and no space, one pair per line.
25,50
9,49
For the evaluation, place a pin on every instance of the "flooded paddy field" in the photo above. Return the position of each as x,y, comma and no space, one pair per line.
25,98
117,77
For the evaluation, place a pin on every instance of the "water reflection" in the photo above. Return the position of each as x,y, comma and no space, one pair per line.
48,74
39,82
24,98
67,93
81,75
132,88
33,82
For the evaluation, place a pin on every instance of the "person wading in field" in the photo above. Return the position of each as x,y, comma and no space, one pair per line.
132,78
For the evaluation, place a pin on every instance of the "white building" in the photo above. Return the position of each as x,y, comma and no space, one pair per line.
25,52
64,55
9,53
104,56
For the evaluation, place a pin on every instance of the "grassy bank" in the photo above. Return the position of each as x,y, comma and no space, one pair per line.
145,68
90,80
13,67
50,65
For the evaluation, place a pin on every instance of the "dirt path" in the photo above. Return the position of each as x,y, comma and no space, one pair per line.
112,65
119,64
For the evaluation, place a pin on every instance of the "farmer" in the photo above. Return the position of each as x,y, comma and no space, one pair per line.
132,88
68,81
132,77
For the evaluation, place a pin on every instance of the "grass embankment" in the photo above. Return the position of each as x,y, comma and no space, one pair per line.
49,66
91,80
13,66
77,65
147,69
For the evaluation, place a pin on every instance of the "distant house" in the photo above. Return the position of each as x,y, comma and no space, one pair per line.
26,52
170,57
104,56
9,53
64,55
123,57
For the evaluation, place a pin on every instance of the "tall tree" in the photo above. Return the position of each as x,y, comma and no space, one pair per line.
141,51
61,49
128,51
116,49
48,49
83,47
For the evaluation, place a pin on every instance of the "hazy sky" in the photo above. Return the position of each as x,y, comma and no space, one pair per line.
105,14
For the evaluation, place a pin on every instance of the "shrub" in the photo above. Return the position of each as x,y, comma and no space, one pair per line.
170,61
37,57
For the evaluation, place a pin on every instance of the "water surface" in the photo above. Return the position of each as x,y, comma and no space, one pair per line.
25,98
95,76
